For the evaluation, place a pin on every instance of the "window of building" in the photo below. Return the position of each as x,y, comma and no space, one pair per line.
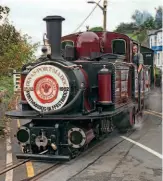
158,57
155,40
119,46
151,43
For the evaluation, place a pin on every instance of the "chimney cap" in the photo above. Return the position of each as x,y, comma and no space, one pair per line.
52,18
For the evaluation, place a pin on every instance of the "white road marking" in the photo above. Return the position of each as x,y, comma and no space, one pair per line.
144,147
9,174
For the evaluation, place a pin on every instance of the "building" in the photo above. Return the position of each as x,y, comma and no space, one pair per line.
156,44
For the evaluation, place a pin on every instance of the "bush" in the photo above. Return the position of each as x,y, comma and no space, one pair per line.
16,48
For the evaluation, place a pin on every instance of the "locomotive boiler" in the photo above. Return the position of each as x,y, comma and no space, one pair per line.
72,101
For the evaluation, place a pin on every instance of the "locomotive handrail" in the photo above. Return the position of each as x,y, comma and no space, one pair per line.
126,63
133,64
65,107
106,54
71,66
106,63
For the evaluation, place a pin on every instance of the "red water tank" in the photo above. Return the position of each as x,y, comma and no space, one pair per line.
104,86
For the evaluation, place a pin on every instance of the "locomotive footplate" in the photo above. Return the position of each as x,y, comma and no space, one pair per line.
43,157
93,115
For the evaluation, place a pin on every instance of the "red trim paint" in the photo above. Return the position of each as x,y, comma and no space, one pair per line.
22,79
42,90
131,117
129,84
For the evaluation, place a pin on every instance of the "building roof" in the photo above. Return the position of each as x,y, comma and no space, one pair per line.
153,32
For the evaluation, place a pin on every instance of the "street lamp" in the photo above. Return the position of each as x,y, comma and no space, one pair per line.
104,9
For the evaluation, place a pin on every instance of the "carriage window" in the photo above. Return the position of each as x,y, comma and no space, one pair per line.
65,43
119,47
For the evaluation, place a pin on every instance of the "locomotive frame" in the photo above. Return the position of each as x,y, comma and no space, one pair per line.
80,95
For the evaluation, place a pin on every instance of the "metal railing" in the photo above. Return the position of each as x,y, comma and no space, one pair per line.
16,79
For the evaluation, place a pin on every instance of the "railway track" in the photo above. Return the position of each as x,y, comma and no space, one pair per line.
11,167
154,113
44,172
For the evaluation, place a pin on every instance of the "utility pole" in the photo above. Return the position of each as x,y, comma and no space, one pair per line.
104,10
105,14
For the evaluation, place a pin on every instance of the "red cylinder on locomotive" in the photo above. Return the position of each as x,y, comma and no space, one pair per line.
104,84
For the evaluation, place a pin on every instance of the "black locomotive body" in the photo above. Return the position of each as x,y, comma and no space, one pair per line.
71,103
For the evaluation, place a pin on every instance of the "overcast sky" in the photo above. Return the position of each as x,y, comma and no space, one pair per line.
27,15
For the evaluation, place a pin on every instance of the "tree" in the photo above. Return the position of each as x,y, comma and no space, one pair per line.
95,29
149,24
142,21
158,17
4,11
16,49
125,28
141,17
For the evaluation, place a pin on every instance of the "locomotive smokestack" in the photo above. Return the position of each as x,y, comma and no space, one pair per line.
54,29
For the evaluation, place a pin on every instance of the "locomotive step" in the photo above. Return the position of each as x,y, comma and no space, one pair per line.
43,157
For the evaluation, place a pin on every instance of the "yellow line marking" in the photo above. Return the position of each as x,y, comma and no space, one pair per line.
30,170
18,123
29,165
152,114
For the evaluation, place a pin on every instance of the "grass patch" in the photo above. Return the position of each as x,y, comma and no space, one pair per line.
134,37
6,95
6,83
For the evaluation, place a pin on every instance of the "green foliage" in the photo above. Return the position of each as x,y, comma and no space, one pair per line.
16,49
149,24
6,84
158,17
95,29
132,36
126,27
142,21
6,94
8,35
4,11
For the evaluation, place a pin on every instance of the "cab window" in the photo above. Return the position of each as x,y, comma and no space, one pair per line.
67,43
119,47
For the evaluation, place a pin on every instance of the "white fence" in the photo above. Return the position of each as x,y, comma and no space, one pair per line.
16,79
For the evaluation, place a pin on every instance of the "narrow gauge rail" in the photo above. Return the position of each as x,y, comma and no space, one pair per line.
8,168
154,113
44,172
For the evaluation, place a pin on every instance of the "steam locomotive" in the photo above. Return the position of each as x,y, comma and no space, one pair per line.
83,89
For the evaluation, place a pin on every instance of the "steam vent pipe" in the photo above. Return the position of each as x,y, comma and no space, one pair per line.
54,30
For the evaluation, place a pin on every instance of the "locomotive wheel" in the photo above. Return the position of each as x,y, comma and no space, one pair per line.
132,117
97,132
128,122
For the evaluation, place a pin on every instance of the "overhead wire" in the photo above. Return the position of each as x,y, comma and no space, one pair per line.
93,11
87,16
